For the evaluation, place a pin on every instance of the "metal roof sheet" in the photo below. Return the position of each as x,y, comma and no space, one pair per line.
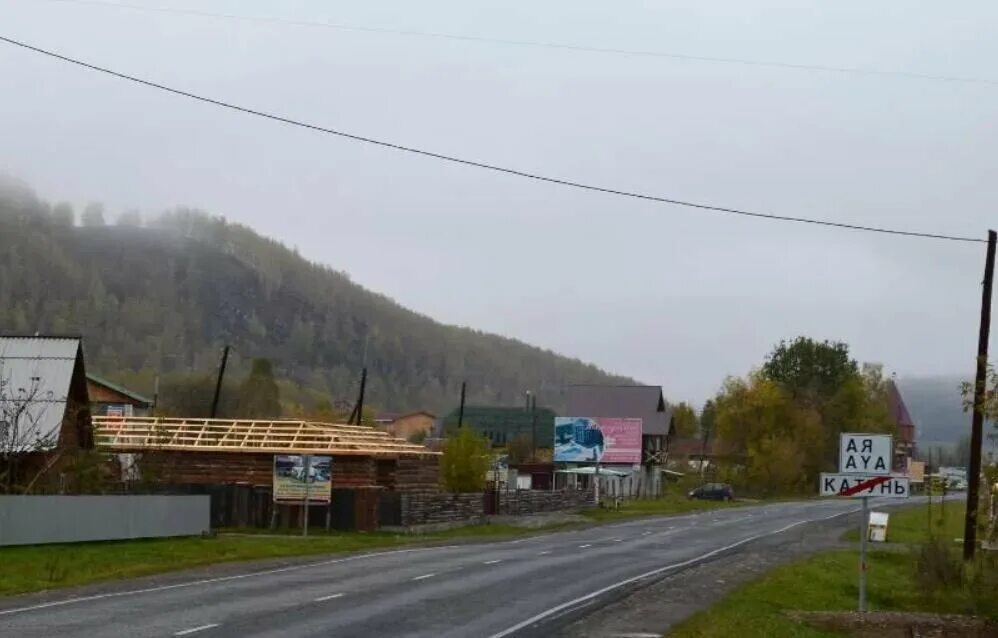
35,373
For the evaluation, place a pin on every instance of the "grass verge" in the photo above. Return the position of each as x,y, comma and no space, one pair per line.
672,503
897,581
917,524
40,567
826,582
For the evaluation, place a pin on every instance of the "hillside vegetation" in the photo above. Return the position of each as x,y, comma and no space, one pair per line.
162,298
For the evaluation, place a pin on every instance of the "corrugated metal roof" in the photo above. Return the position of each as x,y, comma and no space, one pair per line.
37,371
643,402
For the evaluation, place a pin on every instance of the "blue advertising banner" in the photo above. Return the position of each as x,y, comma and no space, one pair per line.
601,439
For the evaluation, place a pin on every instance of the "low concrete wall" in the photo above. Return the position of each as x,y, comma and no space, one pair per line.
33,520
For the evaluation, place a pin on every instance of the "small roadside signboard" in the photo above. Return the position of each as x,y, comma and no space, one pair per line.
864,470
856,486
865,453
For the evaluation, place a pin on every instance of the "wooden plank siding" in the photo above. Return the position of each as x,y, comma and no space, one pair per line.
221,468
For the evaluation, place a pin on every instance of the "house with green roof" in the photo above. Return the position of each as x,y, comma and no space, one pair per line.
503,424
111,399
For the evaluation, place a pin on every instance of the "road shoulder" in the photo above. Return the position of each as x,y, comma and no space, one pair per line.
654,609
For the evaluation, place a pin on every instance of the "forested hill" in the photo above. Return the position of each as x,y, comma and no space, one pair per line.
162,297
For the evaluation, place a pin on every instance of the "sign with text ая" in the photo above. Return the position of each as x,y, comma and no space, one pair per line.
865,454
864,469
292,472
597,440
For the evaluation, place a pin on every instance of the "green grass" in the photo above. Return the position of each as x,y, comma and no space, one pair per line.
672,503
39,567
829,582
912,524
826,582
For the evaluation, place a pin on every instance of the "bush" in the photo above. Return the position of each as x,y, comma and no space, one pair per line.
465,461
937,567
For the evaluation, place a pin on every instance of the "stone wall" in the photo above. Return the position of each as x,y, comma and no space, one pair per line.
538,501
433,507
429,507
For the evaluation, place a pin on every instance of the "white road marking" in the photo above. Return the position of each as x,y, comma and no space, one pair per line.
618,540
646,533
585,546
544,553
655,572
637,634
424,576
568,611
491,562
193,630
220,579
329,597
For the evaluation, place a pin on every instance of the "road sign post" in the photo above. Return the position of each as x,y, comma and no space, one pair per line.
864,470
862,555
304,502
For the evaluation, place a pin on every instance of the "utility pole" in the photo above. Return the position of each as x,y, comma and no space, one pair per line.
533,428
218,383
155,395
703,448
928,486
360,398
460,410
977,416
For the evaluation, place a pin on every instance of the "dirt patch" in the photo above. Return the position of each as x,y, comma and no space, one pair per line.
899,625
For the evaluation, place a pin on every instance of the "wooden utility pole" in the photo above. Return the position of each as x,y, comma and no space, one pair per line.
977,415
359,408
460,410
218,383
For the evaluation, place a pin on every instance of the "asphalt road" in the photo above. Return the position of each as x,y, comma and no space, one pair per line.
523,587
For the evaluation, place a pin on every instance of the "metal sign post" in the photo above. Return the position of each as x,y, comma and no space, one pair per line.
864,471
307,459
862,555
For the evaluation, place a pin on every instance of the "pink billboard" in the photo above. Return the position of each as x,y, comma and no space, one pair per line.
597,440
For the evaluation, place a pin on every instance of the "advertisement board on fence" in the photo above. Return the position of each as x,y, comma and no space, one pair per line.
293,472
599,439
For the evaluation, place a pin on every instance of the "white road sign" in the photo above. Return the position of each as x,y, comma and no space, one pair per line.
865,454
856,486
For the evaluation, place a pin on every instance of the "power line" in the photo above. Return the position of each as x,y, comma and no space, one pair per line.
482,165
910,75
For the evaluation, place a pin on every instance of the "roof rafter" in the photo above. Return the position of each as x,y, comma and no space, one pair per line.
136,434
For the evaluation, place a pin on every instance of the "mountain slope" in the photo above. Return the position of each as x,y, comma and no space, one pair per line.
936,406
164,299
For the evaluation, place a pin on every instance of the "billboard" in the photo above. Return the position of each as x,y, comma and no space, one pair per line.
599,439
293,473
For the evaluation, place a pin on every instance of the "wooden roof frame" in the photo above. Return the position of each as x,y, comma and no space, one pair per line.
248,436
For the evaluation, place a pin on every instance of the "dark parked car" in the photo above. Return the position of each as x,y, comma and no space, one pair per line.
713,492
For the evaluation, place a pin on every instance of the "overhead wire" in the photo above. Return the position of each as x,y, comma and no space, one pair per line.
483,165
910,75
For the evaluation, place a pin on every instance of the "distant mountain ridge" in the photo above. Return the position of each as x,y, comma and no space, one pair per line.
165,297
936,406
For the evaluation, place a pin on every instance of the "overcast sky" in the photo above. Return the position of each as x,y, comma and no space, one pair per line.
664,294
